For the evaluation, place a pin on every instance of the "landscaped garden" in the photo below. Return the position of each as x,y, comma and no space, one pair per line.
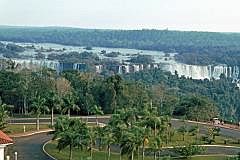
132,135
84,155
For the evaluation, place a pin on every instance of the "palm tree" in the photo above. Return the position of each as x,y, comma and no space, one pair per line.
96,111
131,141
54,102
108,140
70,132
69,104
92,134
194,130
38,106
183,130
118,129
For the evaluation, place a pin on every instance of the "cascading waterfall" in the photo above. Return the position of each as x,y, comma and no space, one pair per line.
190,71
202,72
33,63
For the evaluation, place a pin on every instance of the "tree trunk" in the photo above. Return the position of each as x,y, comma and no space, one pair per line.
132,155
155,155
120,157
143,151
138,150
25,105
184,137
37,122
52,117
69,113
96,120
70,152
109,152
91,151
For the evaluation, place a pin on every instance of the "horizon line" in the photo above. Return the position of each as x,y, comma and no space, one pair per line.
124,29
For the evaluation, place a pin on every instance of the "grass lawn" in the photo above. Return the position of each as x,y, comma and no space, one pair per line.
177,139
209,158
14,129
84,155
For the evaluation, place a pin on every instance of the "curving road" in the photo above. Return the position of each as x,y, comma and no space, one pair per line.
30,148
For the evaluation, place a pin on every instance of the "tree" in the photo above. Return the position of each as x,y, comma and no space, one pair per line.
108,140
196,108
54,102
183,130
96,111
70,132
38,106
194,130
213,132
156,145
128,144
69,104
3,114
189,150
92,134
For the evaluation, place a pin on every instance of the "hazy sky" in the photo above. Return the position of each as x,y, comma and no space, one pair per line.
210,15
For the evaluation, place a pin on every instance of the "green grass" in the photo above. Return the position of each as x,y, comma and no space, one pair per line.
83,155
209,158
15,128
219,140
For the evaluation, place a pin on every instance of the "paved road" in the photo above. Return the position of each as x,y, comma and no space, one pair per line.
30,148
176,123
204,129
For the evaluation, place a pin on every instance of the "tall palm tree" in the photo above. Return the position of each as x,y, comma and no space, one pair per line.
108,140
118,129
69,104
183,130
54,102
92,135
38,106
194,130
131,141
156,145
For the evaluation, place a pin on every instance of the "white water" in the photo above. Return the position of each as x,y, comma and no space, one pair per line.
193,71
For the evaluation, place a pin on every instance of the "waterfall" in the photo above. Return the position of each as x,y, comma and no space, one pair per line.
202,72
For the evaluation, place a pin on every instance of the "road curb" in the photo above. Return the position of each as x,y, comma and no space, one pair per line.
43,148
30,134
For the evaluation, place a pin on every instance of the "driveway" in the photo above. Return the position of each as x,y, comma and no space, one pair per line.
30,148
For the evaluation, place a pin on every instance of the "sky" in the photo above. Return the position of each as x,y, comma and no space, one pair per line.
196,15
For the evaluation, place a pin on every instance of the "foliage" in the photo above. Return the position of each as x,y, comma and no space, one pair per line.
70,132
189,150
3,115
208,94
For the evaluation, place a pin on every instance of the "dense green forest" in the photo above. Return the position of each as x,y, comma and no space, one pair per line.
222,92
173,96
198,47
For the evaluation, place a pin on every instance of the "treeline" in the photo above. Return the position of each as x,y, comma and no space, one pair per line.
222,92
86,93
214,47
